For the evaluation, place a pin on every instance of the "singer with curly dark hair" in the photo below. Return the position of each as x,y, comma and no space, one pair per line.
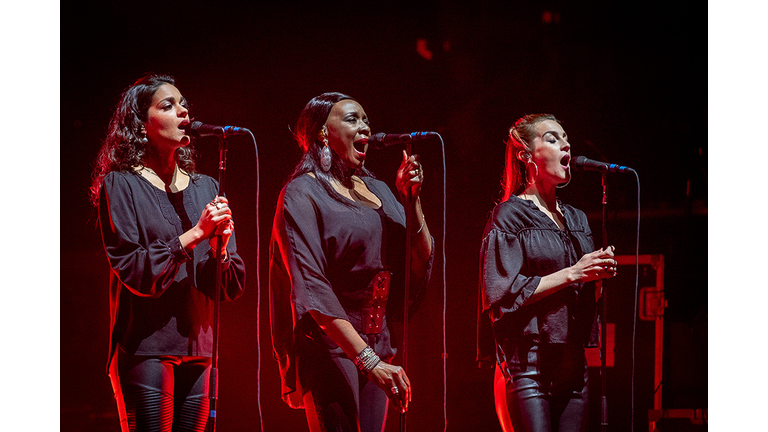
337,247
156,214
538,293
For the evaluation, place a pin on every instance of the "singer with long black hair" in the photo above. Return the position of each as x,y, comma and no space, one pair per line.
159,221
337,248
538,268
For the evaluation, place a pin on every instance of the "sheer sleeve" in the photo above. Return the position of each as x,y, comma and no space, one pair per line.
145,267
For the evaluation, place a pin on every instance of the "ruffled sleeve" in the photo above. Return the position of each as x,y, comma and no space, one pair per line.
504,289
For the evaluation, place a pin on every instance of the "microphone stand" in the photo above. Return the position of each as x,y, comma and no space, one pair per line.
603,333
409,209
213,389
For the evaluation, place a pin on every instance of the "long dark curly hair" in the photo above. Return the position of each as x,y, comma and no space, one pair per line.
311,120
125,145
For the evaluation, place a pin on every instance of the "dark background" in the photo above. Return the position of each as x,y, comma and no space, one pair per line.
628,82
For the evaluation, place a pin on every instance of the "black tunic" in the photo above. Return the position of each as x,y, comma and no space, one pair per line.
161,298
521,245
323,255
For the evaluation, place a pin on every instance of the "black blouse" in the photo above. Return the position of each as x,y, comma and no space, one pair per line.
521,245
323,255
161,298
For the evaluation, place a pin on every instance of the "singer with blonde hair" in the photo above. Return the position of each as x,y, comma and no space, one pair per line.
538,294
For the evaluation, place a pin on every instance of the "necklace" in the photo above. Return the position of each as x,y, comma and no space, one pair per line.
150,170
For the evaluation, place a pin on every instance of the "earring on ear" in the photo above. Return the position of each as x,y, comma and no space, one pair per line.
526,158
527,164
325,152
143,133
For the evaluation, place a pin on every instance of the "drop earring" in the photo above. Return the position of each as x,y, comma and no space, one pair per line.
325,152
143,136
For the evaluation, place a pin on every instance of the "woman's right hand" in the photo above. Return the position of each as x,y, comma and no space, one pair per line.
599,264
216,213
393,380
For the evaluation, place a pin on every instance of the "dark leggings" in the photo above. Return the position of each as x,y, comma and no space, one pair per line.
161,394
338,397
547,388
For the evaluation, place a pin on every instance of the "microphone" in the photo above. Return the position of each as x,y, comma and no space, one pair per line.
198,129
382,140
581,163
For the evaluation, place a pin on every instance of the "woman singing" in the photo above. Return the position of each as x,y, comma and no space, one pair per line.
538,290
159,223
337,248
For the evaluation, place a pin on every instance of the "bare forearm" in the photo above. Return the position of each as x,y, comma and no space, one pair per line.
421,240
341,332
193,237
592,266
552,283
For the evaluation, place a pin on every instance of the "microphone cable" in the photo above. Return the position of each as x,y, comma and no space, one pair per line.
258,285
636,311
444,354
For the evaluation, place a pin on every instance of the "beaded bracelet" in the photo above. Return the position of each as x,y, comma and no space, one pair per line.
366,360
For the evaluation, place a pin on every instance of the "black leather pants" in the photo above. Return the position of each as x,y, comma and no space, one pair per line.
547,387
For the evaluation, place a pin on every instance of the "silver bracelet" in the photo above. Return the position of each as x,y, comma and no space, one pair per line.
423,219
366,360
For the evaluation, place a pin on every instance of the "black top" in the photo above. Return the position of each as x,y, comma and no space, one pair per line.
323,255
161,298
521,245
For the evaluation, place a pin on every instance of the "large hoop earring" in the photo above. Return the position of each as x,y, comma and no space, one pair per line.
560,186
527,180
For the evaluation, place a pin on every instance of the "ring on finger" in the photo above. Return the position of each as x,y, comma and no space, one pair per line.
395,390
219,205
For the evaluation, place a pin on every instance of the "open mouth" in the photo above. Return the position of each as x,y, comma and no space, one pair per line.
565,161
360,146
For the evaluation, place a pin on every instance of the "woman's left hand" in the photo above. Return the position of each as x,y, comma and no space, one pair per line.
225,226
393,380
409,175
